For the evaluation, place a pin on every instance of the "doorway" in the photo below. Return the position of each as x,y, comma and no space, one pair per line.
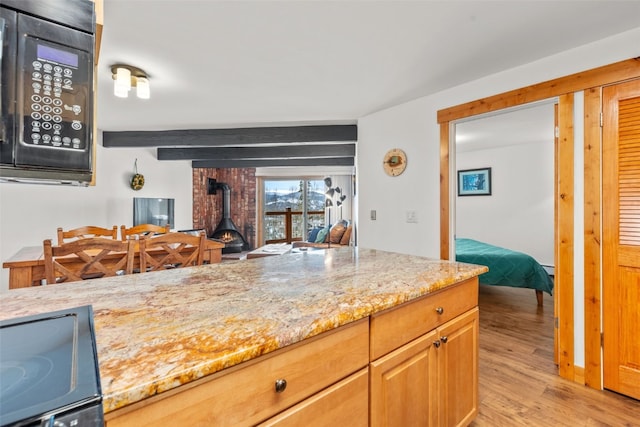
589,83
518,146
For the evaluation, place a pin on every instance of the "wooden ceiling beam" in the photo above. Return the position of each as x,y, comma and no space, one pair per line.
231,137
257,152
259,163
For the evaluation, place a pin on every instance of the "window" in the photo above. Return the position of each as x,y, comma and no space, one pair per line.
292,207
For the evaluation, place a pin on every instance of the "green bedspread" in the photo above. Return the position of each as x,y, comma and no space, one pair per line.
506,267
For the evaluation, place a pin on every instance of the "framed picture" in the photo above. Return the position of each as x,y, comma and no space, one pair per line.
474,182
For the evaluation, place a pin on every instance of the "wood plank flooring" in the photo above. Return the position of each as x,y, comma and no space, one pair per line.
519,383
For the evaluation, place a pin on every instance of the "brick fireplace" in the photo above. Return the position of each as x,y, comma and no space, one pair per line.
208,209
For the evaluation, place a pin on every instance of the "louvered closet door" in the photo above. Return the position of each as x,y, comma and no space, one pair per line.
621,238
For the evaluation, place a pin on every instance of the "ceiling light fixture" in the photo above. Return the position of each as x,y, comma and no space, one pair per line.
125,77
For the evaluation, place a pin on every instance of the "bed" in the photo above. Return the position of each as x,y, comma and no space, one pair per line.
506,267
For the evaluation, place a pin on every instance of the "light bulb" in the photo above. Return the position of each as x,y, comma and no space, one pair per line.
122,84
120,92
142,88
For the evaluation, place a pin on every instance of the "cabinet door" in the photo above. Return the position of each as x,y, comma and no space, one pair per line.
403,385
343,404
458,369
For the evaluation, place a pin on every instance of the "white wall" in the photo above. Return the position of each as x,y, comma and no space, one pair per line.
30,213
409,127
519,213
413,127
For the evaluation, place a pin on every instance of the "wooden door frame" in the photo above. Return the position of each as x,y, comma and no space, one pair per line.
591,82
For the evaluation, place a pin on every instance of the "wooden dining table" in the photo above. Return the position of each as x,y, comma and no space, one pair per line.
26,267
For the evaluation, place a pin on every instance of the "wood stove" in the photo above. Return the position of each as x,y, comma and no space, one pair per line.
226,231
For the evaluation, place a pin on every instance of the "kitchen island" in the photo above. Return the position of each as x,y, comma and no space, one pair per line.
178,343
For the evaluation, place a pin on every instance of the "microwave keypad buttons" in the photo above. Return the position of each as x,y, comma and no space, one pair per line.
54,110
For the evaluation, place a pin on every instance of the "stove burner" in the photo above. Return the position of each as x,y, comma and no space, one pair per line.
20,381
48,368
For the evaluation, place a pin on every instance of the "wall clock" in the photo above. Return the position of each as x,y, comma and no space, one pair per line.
395,162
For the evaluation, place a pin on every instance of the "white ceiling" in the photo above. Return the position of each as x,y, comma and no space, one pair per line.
215,64
530,124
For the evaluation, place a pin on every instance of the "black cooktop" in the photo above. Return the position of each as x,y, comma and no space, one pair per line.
49,369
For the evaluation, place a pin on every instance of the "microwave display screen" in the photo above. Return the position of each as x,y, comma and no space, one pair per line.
56,55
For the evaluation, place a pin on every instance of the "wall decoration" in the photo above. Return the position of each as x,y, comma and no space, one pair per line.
394,162
137,180
474,182
333,194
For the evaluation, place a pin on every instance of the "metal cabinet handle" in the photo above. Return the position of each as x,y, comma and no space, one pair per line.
444,339
281,385
436,344
439,310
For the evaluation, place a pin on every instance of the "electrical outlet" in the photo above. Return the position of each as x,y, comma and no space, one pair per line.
412,217
373,215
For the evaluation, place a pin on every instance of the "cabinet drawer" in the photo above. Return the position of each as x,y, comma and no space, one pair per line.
399,325
343,404
245,394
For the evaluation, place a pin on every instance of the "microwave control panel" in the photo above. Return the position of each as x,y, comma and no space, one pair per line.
55,103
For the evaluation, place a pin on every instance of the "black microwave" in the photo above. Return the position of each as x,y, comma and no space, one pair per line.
47,90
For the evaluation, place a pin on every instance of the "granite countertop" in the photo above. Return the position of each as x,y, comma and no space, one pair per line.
157,331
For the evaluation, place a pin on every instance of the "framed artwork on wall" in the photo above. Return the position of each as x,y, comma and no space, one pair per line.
474,182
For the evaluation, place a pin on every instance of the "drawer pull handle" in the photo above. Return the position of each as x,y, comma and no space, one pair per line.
439,310
281,385
444,339
436,344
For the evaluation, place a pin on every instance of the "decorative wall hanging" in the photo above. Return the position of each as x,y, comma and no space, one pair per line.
395,162
333,194
474,182
137,181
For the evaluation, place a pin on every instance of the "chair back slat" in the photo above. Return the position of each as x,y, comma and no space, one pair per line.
140,230
171,250
85,232
87,258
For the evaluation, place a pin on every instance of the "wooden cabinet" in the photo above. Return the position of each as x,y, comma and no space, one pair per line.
404,385
343,404
413,365
458,370
433,379
245,394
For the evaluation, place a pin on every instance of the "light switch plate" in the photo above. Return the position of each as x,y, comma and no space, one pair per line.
373,215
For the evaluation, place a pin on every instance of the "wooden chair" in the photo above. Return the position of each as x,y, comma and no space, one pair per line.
88,258
140,230
85,232
171,250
